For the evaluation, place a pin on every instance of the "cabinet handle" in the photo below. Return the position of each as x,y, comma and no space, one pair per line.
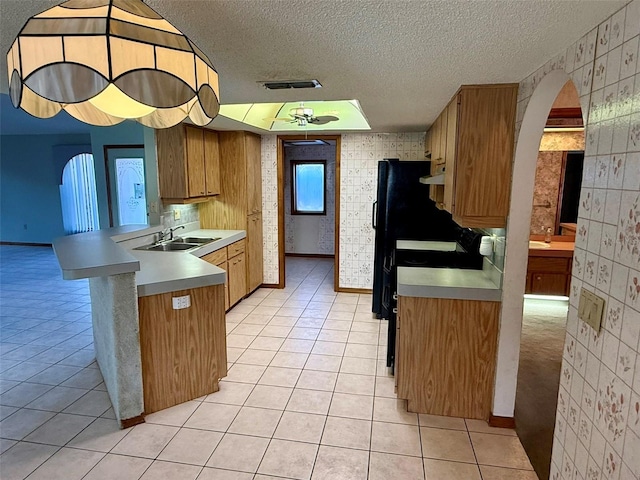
201,193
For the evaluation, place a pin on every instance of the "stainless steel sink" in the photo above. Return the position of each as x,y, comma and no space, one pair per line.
196,240
178,244
168,247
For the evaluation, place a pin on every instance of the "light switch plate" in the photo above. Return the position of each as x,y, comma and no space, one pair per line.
591,309
176,214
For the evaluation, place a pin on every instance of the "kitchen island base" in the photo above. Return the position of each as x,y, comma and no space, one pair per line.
184,351
446,355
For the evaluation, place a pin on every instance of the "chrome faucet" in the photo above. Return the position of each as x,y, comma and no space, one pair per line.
162,236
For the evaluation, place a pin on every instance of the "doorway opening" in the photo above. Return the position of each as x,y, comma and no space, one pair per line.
308,200
126,189
78,195
552,230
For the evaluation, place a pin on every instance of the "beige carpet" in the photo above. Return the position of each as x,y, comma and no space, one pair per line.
543,333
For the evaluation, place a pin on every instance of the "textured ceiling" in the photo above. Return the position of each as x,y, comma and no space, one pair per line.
402,59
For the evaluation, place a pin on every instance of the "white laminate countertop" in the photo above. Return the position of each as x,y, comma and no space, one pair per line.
454,283
426,245
95,254
109,252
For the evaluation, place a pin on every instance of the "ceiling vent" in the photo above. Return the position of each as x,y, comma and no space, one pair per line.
284,84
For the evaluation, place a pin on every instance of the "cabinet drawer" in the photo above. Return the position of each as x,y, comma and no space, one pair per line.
549,264
235,248
217,257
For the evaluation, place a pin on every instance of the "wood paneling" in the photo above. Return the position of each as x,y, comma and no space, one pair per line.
183,351
236,267
255,271
211,162
446,355
172,169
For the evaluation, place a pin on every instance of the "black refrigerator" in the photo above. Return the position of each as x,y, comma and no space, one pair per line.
402,211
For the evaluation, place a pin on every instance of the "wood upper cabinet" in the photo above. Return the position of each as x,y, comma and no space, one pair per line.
188,164
239,205
476,144
211,162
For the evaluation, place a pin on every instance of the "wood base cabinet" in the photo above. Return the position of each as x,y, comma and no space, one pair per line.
549,275
446,355
184,352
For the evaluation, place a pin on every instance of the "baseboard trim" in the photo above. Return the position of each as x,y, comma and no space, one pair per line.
27,244
271,285
354,290
130,422
502,422
310,255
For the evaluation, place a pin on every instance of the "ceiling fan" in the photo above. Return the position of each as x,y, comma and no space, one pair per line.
303,116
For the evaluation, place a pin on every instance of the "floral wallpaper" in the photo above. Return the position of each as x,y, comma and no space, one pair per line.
597,433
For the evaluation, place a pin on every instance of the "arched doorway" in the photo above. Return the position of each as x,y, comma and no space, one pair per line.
78,195
554,217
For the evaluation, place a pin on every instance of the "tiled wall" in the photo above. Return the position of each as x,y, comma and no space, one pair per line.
360,153
324,242
188,214
597,431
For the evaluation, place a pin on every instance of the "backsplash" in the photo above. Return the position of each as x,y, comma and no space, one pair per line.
597,434
188,214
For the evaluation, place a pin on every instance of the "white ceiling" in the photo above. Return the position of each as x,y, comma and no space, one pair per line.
402,59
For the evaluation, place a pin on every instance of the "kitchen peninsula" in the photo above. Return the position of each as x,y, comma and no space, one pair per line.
158,317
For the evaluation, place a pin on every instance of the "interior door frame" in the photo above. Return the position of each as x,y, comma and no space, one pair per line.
281,234
107,172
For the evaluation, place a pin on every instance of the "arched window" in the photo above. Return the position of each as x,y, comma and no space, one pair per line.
78,195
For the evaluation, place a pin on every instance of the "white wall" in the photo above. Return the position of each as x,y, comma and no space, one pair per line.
597,432
311,234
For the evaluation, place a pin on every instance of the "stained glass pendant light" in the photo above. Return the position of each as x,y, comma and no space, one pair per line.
104,61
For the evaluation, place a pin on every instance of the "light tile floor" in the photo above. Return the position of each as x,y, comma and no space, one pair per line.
307,396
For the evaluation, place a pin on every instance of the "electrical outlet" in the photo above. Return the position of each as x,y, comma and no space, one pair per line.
181,302
590,309
176,214
153,207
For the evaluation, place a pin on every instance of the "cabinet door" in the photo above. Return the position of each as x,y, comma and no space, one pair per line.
443,136
450,154
224,266
211,162
254,252
195,161
236,271
548,283
172,169
254,174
